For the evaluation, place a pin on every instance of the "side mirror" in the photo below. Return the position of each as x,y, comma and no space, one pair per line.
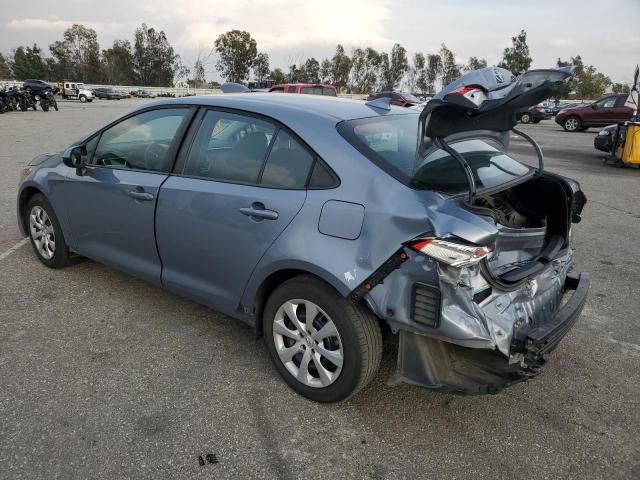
75,157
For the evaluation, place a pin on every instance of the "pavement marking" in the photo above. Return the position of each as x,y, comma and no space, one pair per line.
14,248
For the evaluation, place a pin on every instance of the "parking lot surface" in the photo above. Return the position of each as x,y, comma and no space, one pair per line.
103,376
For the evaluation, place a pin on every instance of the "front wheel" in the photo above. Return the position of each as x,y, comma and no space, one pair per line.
45,233
572,124
324,346
525,118
83,98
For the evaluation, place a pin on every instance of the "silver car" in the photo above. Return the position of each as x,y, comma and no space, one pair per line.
327,224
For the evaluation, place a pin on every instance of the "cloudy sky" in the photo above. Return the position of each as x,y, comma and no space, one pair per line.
605,32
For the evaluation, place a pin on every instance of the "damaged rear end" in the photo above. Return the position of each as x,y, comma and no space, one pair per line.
488,289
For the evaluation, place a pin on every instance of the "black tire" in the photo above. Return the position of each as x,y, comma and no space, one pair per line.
61,256
572,124
82,98
359,332
525,117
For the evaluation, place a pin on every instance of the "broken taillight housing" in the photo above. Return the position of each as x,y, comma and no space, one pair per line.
473,93
451,253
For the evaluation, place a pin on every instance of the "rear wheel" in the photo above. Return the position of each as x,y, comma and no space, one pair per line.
525,118
45,233
572,124
324,346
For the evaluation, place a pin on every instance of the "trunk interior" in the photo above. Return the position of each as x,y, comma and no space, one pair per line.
533,221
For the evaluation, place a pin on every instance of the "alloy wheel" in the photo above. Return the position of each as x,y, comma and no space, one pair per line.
571,124
42,232
308,343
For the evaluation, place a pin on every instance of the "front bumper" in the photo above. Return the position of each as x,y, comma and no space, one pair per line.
438,365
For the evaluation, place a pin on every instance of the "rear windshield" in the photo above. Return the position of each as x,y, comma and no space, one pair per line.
390,143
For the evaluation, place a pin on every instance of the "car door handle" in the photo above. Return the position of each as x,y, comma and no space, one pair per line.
257,210
142,196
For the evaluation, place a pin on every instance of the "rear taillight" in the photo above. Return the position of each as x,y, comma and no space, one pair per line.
472,93
454,254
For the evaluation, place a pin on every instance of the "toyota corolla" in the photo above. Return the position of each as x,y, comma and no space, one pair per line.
324,223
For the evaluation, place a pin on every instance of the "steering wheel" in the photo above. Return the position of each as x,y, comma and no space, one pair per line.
111,159
154,156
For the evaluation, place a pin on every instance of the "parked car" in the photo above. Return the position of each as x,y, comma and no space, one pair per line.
604,140
76,90
284,221
37,86
534,114
142,94
401,99
306,88
607,110
106,93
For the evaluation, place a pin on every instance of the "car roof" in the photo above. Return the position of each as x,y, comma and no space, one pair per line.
277,105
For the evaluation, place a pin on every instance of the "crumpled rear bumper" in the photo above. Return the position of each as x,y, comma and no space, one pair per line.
438,365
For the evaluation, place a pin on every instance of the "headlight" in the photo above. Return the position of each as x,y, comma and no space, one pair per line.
604,133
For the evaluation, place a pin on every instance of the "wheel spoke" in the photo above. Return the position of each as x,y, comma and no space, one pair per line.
334,356
303,370
287,353
328,330
325,375
290,310
311,312
281,329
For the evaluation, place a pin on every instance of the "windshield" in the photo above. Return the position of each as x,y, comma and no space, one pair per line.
390,143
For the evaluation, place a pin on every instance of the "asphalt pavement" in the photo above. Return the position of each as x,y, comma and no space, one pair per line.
104,377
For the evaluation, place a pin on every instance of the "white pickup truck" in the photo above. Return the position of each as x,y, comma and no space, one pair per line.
75,90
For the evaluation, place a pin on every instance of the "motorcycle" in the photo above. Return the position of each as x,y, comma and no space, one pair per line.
27,101
47,100
9,100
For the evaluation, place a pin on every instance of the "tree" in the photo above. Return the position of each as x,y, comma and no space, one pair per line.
398,65
325,71
261,66
474,63
358,61
420,72
180,70
237,51
311,71
278,76
199,79
340,68
5,69
516,59
27,63
616,88
565,89
371,70
154,59
295,74
416,69
590,83
432,71
450,69
117,63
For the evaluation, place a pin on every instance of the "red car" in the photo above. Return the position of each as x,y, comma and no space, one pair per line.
306,88
607,110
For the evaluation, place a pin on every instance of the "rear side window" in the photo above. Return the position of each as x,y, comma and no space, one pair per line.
229,147
311,90
288,164
291,89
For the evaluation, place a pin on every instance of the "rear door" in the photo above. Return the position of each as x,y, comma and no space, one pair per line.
233,192
621,112
110,208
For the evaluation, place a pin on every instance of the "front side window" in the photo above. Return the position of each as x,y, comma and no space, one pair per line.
390,142
607,102
229,147
141,142
291,89
311,90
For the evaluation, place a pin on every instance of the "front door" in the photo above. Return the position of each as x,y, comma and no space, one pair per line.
241,185
110,207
